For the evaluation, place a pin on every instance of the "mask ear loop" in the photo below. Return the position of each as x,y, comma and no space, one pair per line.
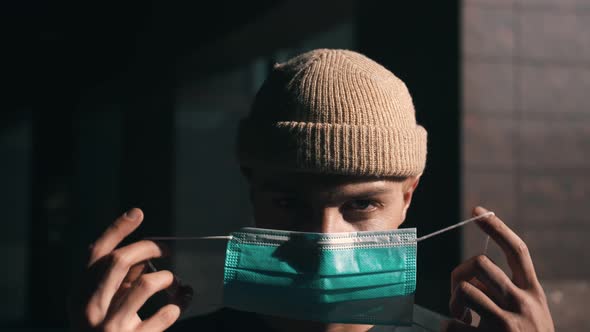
152,268
180,238
427,236
459,224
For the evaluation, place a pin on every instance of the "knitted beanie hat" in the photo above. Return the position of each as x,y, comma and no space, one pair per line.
334,112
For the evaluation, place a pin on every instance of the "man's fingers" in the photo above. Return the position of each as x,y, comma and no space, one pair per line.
161,320
468,296
116,232
494,282
122,260
516,251
146,286
134,273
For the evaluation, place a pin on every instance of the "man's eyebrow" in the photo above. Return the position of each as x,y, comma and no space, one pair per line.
359,193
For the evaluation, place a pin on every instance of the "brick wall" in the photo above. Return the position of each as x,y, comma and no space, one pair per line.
526,137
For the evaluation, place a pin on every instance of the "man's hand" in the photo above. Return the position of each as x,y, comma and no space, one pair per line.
503,303
114,286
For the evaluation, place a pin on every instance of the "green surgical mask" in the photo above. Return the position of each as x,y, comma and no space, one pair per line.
358,277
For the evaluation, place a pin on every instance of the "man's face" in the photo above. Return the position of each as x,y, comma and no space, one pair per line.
329,203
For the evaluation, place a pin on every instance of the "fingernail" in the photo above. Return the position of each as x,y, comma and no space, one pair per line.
480,210
132,214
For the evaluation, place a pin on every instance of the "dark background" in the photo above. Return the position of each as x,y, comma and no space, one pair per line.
119,104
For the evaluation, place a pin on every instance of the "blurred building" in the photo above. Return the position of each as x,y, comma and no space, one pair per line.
526,136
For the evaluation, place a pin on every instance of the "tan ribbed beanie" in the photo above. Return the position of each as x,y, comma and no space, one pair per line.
335,112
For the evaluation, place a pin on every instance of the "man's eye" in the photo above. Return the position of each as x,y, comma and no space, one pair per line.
361,205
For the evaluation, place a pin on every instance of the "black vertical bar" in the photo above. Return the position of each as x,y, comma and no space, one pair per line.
98,140
147,179
419,42
53,212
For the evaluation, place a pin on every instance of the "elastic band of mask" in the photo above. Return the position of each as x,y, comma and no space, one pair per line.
178,238
229,237
459,224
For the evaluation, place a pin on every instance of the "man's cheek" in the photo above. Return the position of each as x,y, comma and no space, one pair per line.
396,216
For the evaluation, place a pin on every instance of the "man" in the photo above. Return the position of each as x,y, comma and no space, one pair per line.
331,145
